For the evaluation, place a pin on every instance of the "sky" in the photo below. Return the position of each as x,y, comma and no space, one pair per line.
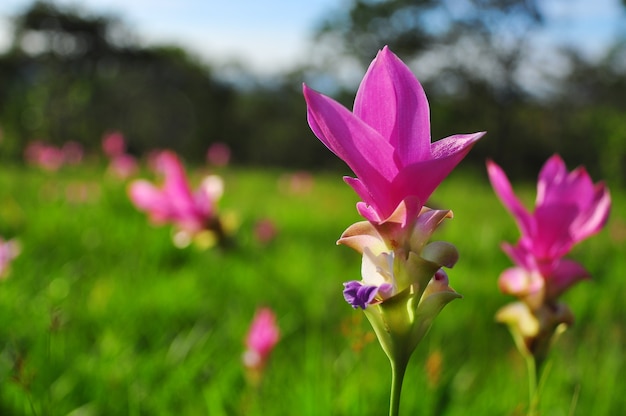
265,35
269,36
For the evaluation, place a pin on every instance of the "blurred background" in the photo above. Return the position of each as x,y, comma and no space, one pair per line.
539,76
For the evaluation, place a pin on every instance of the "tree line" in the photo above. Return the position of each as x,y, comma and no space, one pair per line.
71,75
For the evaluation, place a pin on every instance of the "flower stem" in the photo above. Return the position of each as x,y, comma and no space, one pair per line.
533,394
398,368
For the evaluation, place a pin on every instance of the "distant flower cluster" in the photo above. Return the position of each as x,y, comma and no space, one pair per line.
50,158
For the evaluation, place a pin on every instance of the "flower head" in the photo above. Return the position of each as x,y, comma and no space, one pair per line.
261,339
385,140
9,250
113,144
174,202
569,207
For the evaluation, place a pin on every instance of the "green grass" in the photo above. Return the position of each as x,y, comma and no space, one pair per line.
102,315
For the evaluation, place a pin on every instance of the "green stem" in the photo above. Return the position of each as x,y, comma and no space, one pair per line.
398,368
533,395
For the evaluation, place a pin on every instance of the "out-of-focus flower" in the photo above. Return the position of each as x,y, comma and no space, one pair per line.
123,166
174,202
261,339
218,154
386,139
9,250
113,144
43,155
297,183
569,208
265,230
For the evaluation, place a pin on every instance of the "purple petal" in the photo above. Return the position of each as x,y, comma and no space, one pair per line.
391,100
359,295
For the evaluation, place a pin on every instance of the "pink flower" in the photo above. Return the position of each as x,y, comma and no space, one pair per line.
218,154
122,166
174,202
261,339
9,250
386,139
569,208
113,144
43,155
265,230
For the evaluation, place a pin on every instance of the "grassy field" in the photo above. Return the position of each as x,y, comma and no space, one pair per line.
102,315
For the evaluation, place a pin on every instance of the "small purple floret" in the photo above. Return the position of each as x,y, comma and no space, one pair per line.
359,295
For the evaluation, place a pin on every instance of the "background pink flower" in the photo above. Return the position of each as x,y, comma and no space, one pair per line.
262,336
569,207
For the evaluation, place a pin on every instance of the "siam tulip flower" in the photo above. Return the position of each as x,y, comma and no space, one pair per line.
261,339
265,230
569,208
174,202
386,142
43,155
113,144
218,154
9,250
123,166
386,139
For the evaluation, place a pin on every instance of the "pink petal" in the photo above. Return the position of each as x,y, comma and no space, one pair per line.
264,333
365,151
391,100
566,274
176,187
521,254
520,282
595,216
552,238
553,170
147,197
504,191
420,179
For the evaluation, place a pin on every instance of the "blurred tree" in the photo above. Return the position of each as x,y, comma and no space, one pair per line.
71,76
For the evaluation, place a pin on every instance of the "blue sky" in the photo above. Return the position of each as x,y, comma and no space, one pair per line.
271,35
